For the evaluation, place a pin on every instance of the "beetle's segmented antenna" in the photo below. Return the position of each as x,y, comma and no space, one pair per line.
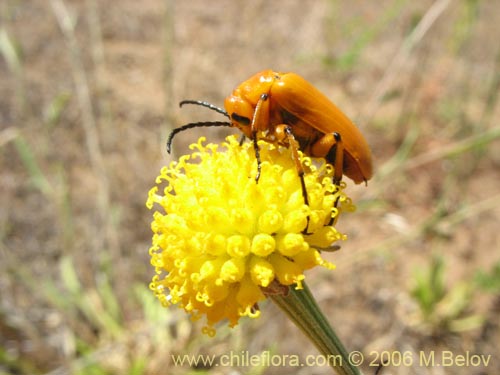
206,105
191,126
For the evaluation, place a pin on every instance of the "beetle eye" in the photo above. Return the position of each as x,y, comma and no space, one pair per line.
240,119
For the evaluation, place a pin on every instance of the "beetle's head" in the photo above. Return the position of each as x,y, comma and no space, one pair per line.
241,104
241,113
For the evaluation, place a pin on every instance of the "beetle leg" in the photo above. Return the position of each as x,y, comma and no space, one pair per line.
339,167
331,147
242,139
260,121
339,159
337,153
257,156
286,131
294,145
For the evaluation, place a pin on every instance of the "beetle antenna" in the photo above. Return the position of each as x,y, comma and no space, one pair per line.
205,104
190,126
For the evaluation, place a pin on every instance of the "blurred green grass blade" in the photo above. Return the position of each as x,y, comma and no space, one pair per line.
9,364
466,324
157,316
475,142
138,366
54,111
401,156
421,293
93,307
493,92
30,163
429,286
89,301
367,34
453,304
108,296
69,276
10,52
468,14
437,277
154,312
92,369
56,298
489,281
46,287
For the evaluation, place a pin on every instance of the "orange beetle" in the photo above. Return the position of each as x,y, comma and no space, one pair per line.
284,108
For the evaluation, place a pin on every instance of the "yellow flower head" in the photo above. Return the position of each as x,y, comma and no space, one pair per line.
222,238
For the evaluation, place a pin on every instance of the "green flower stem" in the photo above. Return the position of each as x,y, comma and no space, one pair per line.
301,307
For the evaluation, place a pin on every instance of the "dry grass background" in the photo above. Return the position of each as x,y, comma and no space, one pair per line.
88,93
